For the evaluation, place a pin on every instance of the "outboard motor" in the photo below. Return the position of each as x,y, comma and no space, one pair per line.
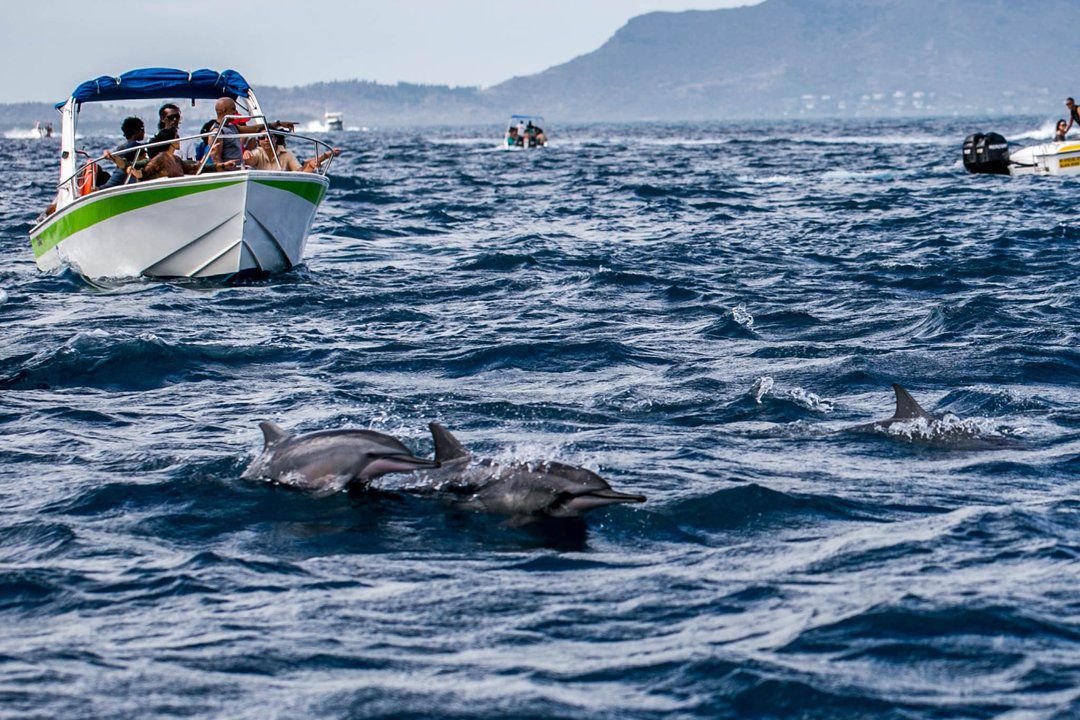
987,153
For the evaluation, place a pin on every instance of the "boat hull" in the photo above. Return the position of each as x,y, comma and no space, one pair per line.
205,226
1056,158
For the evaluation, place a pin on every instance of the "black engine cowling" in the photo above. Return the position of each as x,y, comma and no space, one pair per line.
987,153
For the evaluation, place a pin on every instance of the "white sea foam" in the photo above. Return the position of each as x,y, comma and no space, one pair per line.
741,316
150,337
948,427
1045,132
856,176
670,142
3,296
762,387
464,141
23,134
854,139
767,179
765,386
318,126
882,140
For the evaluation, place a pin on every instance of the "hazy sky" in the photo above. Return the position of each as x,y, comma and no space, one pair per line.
49,46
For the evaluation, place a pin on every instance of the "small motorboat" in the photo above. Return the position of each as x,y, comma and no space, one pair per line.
201,225
525,131
990,154
334,123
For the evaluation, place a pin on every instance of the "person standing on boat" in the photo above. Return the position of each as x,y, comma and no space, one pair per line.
1074,114
134,134
231,148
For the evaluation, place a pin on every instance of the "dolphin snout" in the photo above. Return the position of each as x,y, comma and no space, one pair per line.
396,462
617,497
591,500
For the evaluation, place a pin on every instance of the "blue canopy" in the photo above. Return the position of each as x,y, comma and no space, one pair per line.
161,83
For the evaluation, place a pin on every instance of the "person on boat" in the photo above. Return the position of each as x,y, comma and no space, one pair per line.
513,139
281,158
134,136
264,157
1059,132
232,149
169,117
286,160
203,146
163,162
534,135
1074,113
315,163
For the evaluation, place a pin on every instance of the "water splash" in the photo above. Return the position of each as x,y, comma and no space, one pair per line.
765,387
741,316
949,427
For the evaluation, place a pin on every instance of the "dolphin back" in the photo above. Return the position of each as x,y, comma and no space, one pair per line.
907,408
272,433
447,446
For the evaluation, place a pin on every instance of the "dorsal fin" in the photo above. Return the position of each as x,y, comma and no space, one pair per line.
272,433
906,407
447,446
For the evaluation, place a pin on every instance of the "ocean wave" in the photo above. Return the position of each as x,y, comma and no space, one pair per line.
95,358
752,505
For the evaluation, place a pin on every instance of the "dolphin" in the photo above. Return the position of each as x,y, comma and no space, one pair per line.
524,491
327,461
933,430
907,409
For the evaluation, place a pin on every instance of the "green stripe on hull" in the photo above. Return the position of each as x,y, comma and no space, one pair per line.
312,192
107,207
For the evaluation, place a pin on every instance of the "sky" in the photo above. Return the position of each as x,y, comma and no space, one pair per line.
56,44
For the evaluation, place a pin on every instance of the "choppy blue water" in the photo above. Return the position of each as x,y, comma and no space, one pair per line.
691,310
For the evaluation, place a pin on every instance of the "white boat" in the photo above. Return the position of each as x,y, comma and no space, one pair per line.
524,132
1054,158
334,123
205,225
991,154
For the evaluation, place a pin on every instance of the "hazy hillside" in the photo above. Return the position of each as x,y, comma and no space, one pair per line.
818,57
780,58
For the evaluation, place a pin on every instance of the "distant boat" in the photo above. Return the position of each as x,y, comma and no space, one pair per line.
204,225
334,122
525,131
990,154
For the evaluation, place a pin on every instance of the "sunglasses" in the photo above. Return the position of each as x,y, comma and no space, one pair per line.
173,116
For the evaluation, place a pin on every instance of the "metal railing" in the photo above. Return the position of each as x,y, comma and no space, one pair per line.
211,138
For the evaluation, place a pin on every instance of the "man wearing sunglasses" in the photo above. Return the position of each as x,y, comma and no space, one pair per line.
169,117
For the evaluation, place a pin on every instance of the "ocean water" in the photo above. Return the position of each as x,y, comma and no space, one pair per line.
695,311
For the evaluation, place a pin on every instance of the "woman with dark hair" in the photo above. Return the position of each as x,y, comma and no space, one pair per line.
1059,132
134,136
163,162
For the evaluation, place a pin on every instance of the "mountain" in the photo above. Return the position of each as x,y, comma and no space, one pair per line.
837,57
780,58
